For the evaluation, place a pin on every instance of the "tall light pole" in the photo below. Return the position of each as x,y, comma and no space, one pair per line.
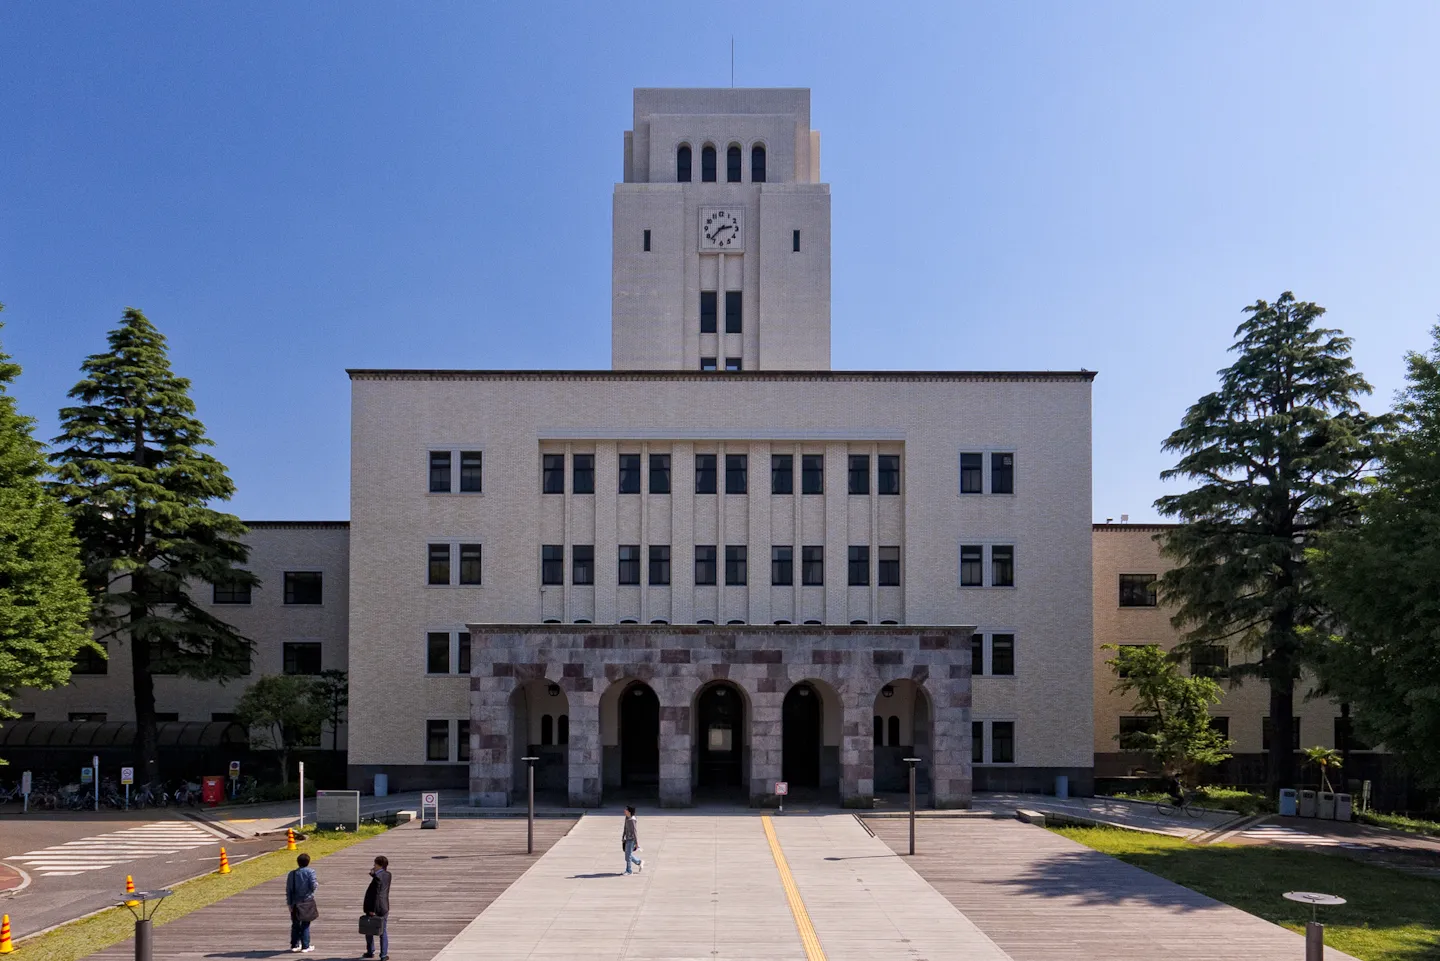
912,761
530,816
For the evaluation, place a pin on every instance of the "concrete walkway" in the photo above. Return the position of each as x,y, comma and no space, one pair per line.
712,890
1104,810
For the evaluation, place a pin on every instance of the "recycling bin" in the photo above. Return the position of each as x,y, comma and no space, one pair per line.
1325,802
1343,807
1287,802
382,785
212,790
1307,804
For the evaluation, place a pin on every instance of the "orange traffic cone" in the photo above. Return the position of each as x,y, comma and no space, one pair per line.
5,945
130,889
289,839
224,863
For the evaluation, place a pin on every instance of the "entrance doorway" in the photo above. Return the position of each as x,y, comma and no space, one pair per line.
800,720
721,737
639,737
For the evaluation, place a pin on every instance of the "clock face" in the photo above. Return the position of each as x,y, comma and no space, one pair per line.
720,228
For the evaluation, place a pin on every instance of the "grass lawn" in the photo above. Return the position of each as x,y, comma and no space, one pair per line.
82,938
1390,916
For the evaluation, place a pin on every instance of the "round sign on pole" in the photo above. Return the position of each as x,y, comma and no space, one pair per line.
234,768
127,775
782,788
430,799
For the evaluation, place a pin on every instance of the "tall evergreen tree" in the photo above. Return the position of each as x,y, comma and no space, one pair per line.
44,610
131,467
1276,454
1381,578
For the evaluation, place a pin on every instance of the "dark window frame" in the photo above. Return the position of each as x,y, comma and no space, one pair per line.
812,565
709,311
858,474
977,742
231,593
1139,590
858,565
659,558
734,164
684,162
734,363
812,474
737,473
888,567
629,473
782,474
627,571
298,583
996,740
552,473
706,467
737,561
291,657
734,312
440,461
887,474
472,472
708,363
659,473
972,472
90,662
471,564
707,163
582,477
437,652
977,655
437,740
646,240
552,565
437,565
582,565
782,566
1002,474
972,565
1002,565
757,163
1002,665
705,565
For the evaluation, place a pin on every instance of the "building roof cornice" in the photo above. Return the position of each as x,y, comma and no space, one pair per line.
749,376
298,525
1128,528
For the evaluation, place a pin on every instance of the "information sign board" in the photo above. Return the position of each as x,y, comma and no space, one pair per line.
782,788
127,775
87,775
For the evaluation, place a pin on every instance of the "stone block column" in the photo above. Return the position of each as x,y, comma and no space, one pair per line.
490,740
675,756
857,747
951,749
585,750
765,740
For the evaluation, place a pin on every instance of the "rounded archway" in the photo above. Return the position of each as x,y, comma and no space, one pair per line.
638,738
540,727
902,728
722,740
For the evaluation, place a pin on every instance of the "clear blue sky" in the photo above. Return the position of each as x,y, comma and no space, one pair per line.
288,190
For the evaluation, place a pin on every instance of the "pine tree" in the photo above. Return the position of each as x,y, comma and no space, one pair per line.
131,467
1381,578
1277,455
44,610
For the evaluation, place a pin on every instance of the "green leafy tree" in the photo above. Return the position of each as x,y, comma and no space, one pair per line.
286,711
44,610
1325,758
1179,736
131,467
1276,455
332,688
1381,578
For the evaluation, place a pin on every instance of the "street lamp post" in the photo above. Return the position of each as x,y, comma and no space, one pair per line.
530,816
144,905
912,761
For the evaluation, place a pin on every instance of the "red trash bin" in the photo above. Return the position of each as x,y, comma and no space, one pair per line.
213,790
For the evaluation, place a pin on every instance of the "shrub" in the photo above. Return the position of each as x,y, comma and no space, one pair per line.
1399,822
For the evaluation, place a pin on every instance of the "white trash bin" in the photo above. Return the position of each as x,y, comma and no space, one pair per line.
382,785
1307,804
1343,807
1326,805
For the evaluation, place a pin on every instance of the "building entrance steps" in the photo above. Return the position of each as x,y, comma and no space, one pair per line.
712,889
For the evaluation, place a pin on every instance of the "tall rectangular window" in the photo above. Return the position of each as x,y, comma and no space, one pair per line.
1002,654
859,473
470,563
708,311
812,566
231,594
795,241
659,565
584,479
471,462
782,473
552,474
659,473
437,740
1138,590
437,652
629,473
977,742
735,573
782,566
582,566
812,473
1002,473
1002,565
1266,728
552,564
90,661
629,563
439,471
301,657
977,654
972,477
705,565
887,476
735,471
303,587
439,564
889,567
972,565
1002,742
705,473
462,745
732,311
860,566
647,241
462,653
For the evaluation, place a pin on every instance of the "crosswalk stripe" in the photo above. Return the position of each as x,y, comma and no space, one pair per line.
106,850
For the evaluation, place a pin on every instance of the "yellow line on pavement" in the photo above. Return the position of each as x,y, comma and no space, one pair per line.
808,937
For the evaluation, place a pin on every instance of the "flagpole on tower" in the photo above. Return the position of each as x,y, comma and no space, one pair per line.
732,61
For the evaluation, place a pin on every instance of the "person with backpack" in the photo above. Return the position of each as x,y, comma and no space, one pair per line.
377,908
630,841
300,888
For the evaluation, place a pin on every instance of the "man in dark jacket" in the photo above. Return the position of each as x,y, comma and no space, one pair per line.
300,898
377,904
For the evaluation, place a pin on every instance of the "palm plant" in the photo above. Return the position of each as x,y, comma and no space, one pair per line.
1324,758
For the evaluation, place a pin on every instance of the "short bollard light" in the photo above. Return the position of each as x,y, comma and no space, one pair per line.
144,905
1314,930
530,815
912,761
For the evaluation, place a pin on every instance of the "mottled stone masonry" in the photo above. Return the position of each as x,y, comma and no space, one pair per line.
765,662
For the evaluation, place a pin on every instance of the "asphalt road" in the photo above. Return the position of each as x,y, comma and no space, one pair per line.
58,865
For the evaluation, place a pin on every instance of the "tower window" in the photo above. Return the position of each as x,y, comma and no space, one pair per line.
732,312
629,473
629,564
704,473
584,480
812,473
782,473
708,311
705,566
734,363
647,241
794,241
732,164
757,164
707,363
682,165
707,164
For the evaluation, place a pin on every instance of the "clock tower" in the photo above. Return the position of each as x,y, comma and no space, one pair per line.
721,234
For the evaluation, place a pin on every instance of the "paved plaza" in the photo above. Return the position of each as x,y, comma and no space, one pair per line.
741,885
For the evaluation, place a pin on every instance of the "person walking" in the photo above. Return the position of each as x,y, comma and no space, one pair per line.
300,888
377,905
630,841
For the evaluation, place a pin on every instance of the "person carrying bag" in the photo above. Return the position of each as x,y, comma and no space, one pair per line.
300,887
375,921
